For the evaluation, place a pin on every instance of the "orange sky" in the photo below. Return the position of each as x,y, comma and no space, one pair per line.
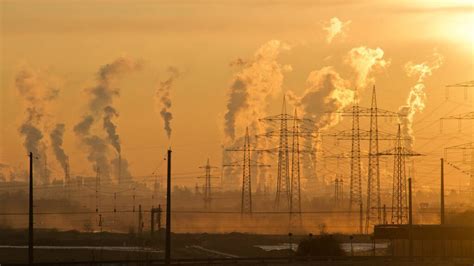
70,40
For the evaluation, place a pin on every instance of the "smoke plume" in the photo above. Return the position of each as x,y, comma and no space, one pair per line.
57,144
111,128
415,102
37,91
327,92
259,79
101,107
163,99
334,28
364,61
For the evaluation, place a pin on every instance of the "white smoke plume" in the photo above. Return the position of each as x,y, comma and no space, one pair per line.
260,78
163,100
335,27
101,107
415,102
365,61
37,90
56,137
326,93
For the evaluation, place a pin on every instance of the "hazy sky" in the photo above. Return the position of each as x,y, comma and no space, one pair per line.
68,41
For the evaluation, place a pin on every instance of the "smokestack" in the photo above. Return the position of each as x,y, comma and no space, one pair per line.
168,212
30,214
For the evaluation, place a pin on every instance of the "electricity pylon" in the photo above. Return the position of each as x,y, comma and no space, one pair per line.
207,196
373,207
295,190
246,206
399,189
283,198
283,174
373,212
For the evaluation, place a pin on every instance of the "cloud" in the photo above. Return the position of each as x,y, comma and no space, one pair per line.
334,28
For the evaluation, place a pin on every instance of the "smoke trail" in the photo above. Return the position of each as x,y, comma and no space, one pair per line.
100,107
57,144
37,91
364,61
260,78
415,102
110,128
163,99
334,28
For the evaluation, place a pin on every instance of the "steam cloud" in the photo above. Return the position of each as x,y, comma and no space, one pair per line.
327,93
364,61
101,107
334,28
163,99
57,144
260,78
415,102
37,92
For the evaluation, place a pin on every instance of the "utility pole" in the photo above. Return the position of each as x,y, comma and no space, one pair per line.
373,208
355,194
295,190
442,193
287,169
246,207
168,212
246,199
30,214
207,184
282,198
399,189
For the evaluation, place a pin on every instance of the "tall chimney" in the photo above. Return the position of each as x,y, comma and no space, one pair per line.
168,212
30,214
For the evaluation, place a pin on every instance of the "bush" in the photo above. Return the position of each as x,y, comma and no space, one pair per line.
323,245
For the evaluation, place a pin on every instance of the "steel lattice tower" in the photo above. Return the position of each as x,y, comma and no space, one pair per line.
283,176
373,207
246,163
355,196
207,196
246,203
295,191
399,189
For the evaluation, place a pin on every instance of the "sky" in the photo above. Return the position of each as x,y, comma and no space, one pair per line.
67,43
